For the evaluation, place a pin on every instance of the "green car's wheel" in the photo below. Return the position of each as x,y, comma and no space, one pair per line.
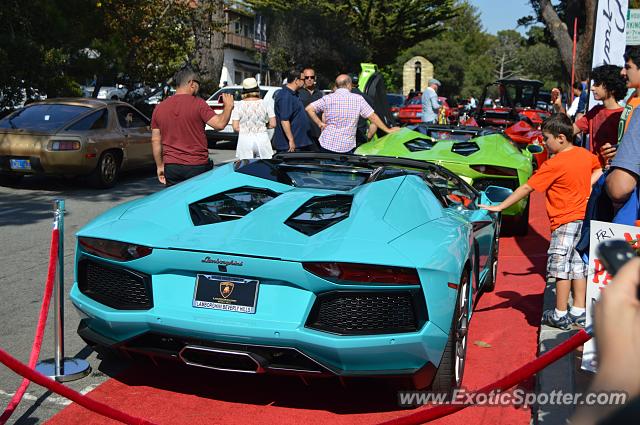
451,369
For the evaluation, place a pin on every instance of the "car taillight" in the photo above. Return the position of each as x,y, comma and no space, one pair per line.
113,250
363,273
64,145
495,170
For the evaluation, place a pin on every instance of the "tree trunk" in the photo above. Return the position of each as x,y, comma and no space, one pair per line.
209,28
563,40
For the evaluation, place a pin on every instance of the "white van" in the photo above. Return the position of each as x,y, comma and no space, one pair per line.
266,93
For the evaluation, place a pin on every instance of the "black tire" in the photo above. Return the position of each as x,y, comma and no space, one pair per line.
107,171
521,224
451,369
10,178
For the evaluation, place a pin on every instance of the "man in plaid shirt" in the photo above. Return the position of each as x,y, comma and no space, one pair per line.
341,111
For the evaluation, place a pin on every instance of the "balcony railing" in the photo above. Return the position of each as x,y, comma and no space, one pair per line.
239,41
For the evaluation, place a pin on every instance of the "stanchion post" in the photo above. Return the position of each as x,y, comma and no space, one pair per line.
60,368
58,290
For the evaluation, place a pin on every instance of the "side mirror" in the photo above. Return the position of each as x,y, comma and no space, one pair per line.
496,194
535,148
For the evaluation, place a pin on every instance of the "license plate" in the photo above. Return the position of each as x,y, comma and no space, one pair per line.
20,164
226,293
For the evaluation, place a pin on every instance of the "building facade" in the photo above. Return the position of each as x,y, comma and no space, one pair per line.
241,58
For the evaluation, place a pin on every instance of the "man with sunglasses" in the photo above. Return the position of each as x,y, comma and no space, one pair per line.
178,138
308,94
292,123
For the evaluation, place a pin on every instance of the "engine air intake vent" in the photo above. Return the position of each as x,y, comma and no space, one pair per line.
465,148
419,145
230,205
319,213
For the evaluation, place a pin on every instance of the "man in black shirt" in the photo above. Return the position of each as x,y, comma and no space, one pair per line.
309,94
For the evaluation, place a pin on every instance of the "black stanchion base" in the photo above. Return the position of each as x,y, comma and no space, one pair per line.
70,369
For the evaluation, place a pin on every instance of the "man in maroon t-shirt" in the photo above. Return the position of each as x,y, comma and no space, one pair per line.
177,130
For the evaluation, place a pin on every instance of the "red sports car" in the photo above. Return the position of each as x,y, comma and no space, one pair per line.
520,111
411,112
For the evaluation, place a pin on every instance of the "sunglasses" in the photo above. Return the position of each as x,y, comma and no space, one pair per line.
309,77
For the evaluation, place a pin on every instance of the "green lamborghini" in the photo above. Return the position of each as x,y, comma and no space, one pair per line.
482,156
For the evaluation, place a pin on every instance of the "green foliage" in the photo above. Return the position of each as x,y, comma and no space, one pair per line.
306,37
448,59
39,42
381,27
540,61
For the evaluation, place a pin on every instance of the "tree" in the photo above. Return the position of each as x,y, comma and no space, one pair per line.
558,20
306,37
382,27
448,59
40,41
458,54
506,54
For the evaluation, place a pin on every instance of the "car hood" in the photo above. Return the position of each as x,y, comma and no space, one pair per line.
392,207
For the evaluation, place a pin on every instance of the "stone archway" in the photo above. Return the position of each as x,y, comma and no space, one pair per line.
415,74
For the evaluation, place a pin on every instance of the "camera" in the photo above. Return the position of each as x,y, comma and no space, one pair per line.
614,254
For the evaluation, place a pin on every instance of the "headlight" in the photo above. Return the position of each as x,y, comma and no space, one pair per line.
113,250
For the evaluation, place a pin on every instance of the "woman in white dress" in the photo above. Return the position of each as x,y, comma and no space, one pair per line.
250,119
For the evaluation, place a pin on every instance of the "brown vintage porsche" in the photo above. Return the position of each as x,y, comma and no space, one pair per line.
74,137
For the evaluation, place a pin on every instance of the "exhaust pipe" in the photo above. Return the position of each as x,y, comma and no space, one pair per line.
221,359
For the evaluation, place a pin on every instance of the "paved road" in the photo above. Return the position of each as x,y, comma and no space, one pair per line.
25,228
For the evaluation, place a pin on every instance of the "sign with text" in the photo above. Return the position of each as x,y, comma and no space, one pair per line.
598,278
609,41
633,27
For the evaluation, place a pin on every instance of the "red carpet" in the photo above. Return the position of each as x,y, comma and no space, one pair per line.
507,320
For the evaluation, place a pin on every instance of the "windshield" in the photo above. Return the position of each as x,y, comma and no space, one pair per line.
395,99
43,117
325,179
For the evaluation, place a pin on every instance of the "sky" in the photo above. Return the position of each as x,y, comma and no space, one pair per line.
500,15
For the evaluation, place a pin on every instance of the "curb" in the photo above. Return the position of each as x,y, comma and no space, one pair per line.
564,375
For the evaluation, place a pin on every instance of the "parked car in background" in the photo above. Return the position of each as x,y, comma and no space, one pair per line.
215,101
396,101
482,156
411,112
117,92
74,137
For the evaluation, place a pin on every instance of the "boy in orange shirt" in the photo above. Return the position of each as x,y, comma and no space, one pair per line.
566,180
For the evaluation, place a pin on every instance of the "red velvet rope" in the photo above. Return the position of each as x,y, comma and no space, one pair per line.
82,400
42,321
431,413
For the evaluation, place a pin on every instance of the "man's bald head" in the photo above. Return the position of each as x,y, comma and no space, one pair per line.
343,81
